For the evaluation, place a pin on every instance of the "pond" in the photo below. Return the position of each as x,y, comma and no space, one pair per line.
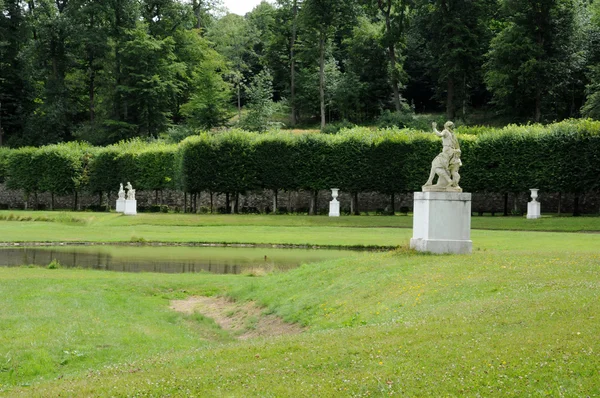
167,259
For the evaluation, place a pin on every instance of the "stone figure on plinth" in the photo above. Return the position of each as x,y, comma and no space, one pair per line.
130,203
445,165
121,200
131,194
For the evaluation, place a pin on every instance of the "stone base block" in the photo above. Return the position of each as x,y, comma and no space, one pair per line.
130,208
334,208
442,222
534,210
442,246
120,205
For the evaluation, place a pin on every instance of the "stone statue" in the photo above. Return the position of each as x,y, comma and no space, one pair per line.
131,194
128,186
121,191
446,164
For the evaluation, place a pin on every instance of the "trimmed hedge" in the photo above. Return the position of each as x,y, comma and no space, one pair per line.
562,157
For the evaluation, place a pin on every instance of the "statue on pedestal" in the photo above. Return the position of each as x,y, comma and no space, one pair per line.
121,191
131,194
446,164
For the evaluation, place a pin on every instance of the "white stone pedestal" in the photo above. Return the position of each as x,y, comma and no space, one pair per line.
442,222
130,207
534,209
120,205
334,208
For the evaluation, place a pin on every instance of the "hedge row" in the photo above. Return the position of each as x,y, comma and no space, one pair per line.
562,157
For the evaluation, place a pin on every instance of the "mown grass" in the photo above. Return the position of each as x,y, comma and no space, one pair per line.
491,324
547,223
518,317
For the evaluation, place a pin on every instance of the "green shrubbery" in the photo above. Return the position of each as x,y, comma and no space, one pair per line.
561,157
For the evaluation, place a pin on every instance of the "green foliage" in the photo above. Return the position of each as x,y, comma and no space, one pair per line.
260,103
561,157
4,153
23,172
335,127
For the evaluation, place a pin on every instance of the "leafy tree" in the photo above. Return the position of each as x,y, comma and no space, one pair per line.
395,15
232,39
530,61
149,86
321,16
209,103
260,103
591,108
456,36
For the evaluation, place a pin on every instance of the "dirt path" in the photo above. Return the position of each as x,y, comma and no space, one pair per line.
245,320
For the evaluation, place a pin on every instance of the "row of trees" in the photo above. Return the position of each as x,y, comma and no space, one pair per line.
103,71
561,157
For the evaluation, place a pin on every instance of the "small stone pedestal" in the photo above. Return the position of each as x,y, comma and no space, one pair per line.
534,208
334,205
130,207
442,222
120,205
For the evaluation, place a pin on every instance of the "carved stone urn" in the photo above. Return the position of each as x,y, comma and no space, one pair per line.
534,194
334,193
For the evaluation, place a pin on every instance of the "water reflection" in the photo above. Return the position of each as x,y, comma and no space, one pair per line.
218,260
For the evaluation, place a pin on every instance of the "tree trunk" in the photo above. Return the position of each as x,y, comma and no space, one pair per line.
505,204
234,208
239,101
211,202
184,201
393,204
322,76
51,200
354,204
386,9
156,196
559,203
274,202
313,203
227,207
576,209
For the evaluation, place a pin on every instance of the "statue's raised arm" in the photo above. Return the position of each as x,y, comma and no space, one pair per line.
435,130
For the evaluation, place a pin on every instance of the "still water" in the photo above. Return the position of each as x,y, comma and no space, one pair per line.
219,260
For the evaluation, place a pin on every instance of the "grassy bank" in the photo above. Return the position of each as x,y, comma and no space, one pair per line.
388,323
547,223
291,230
518,317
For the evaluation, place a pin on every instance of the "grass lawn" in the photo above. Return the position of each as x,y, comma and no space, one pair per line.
518,317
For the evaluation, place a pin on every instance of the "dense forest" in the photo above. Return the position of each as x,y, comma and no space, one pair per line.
108,70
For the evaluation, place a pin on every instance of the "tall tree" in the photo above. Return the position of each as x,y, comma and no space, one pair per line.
394,13
531,59
321,16
456,36
16,91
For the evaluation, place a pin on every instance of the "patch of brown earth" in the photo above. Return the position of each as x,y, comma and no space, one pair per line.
246,320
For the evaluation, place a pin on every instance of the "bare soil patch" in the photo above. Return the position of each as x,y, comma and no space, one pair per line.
245,320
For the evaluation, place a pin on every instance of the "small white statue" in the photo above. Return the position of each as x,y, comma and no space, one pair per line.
128,186
121,191
446,164
131,194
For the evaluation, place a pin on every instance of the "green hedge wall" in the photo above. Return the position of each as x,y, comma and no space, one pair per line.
562,157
